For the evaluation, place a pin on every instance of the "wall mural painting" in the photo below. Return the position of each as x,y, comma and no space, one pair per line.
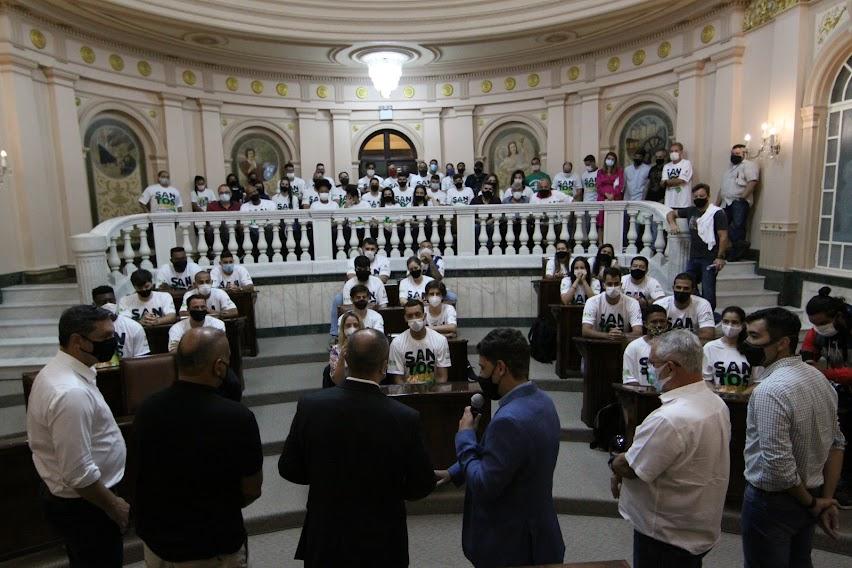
511,148
261,154
115,164
649,129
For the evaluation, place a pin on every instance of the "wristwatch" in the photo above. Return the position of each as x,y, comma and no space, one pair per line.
610,460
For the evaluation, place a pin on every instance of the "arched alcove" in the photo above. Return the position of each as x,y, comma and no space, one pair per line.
645,121
258,150
510,145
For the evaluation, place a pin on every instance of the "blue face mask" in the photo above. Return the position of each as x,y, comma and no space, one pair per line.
451,171
659,383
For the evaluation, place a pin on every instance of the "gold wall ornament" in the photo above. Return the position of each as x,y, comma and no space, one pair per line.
613,64
480,122
290,126
257,87
224,122
758,12
447,90
152,113
322,91
533,80
116,62
87,54
77,101
486,86
144,68
638,57
708,33
543,116
608,107
408,92
676,92
574,73
829,21
510,83
189,77
232,84
664,50
37,38
361,93
281,89
417,126
354,128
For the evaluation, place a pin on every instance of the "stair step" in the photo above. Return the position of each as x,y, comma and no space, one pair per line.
13,368
28,347
735,283
740,268
46,309
747,300
38,293
11,329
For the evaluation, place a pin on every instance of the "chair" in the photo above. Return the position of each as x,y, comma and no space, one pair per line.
394,320
392,290
458,360
143,376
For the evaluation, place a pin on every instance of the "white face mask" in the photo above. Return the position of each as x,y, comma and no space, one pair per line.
517,195
731,331
110,307
164,181
370,254
827,330
675,156
205,289
435,186
350,330
536,167
416,325
323,197
435,301
371,173
225,197
613,292
291,176
658,382
609,162
590,169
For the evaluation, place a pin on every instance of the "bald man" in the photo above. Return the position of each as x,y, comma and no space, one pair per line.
200,461
362,455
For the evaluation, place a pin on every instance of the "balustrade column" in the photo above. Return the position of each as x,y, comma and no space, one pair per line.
291,242
201,227
91,263
262,242
276,242
339,241
536,238
631,233
128,253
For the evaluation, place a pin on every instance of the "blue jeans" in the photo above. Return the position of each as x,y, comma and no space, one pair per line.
335,303
777,531
704,272
737,214
652,553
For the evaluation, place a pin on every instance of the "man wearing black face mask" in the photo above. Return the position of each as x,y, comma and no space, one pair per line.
147,306
708,229
178,274
687,311
474,180
793,449
237,191
509,475
376,287
737,196
78,450
655,176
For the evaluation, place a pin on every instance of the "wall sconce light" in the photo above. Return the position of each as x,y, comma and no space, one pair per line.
5,170
770,142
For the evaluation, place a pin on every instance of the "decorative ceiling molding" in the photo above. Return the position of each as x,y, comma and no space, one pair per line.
759,12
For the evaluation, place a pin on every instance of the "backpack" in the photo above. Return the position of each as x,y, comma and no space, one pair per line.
542,338
609,429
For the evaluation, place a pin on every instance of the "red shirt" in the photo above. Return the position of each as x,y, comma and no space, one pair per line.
811,351
216,206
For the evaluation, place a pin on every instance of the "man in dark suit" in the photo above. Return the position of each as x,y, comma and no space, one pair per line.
362,455
509,514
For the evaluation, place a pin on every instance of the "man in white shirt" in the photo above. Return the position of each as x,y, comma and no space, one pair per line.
390,181
319,173
459,194
378,294
636,177
418,355
639,286
147,306
612,315
130,338
230,275
201,195
589,179
162,197
379,266
255,203
736,198
360,298
545,196
179,273
567,182
422,175
687,311
198,317
373,196
671,483
677,178
636,354
219,303
413,286
364,182
297,183
78,450
404,192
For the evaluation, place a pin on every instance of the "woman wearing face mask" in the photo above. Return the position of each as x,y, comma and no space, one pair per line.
201,195
827,344
420,197
337,371
578,286
285,199
388,199
609,183
237,191
558,266
413,287
603,260
440,317
725,365
517,192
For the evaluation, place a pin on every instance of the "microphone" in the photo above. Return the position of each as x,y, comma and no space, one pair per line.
477,401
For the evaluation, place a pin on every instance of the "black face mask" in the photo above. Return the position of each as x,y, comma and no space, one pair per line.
487,195
145,293
461,172
637,163
561,255
389,200
682,297
544,192
637,274
102,350
754,354
284,188
604,259
422,172
198,315
360,304
736,160
489,389
701,203
180,265
419,199
477,171
344,181
415,273
374,188
660,161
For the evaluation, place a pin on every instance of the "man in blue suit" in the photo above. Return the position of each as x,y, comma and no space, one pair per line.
509,514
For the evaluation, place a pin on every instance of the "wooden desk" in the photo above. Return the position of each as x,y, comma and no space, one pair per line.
440,408
638,402
245,307
158,340
108,380
602,361
548,293
392,290
569,324
394,318
458,359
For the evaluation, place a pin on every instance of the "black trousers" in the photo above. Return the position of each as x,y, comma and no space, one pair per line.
92,539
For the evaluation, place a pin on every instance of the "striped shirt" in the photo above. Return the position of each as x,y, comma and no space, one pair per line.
791,426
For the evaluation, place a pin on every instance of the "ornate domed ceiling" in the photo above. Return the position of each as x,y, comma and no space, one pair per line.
325,36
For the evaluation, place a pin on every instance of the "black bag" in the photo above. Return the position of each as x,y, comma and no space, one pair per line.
542,338
608,432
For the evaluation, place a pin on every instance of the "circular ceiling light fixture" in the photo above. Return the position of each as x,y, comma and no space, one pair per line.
385,69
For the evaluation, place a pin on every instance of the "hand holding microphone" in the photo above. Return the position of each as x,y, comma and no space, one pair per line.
470,418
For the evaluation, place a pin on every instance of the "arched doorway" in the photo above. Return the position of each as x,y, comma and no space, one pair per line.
387,147
260,152
834,248
649,129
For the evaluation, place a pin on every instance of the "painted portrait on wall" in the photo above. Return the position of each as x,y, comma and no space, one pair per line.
261,154
649,129
511,147
115,164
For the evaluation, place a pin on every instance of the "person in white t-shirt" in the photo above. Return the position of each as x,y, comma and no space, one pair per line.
421,176
459,194
418,355
579,285
688,311
359,297
413,286
545,195
378,294
219,303
677,179
130,338
635,363
179,274
391,180
373,196
297,183
287,199
353,201
404,193
364,182
440,316
255,203
436,195
319,173
389,198
612,315
557,266
324,201
145,305
638,285
589,179
197,318
568,183
516,183
447,180
230,275
201,195
379,266
161,197
724,363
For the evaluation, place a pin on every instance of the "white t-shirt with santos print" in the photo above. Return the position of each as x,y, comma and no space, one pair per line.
158,304
580,296
461,196
239,277
161,199
725,366
417,360
698,314
635,363
411,290
680,196
650,288
203,198
167,275
604,316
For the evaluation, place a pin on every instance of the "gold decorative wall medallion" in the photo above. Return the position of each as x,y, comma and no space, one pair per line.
87,54
232,84
37,38
510,83
613,64
447,90
144,68
361,93
281,89
257,87
708,33
664,50
322,91
533,80
639,57
189,77
116,62
574,73
486,86
408,92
